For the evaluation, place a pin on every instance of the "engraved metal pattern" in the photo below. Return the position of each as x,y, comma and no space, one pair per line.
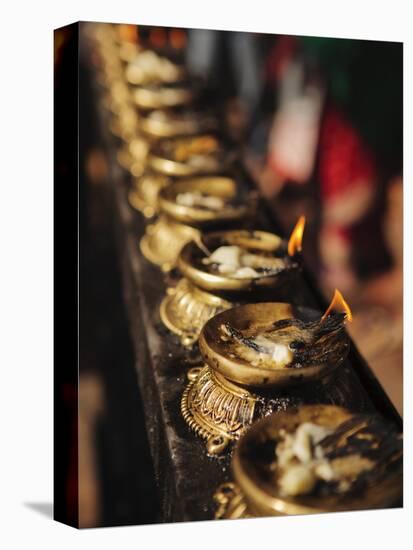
185,309
213,407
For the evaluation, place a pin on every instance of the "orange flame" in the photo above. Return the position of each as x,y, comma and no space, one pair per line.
296,238
339,304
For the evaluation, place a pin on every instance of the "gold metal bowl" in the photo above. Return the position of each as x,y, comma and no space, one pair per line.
147,67
185,309
224,188
226,396
191,266
144,195
220,354
147,186
179,224
190,156
170,123
163,241
257,492
162,96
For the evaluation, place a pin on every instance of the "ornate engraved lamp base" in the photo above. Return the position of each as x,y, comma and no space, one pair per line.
163,241
255,492
215,409
221,411
185,309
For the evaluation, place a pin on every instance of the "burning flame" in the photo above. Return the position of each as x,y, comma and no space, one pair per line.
295,242
338,303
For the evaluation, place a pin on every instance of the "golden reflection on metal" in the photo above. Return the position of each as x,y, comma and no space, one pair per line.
158,168
161,97
202,154
221,354
164,240
296,239
338,303
128,51
198,296
217,410
230,393
179,224
169,124
230,502
220,187
222,399
144,193
154,70
190,264
185,309
254,493
133,154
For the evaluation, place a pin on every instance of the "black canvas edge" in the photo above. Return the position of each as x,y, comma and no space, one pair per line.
66,279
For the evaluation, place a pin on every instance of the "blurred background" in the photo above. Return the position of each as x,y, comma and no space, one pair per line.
321,124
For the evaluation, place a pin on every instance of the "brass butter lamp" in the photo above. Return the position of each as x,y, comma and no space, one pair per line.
201,294
179,223
256,493
163,96
227,395
167,160
170,123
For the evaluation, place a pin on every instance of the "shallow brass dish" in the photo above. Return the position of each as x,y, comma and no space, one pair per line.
156,69
225,397
162,96
162,158
197,282
222,187
185,309
218,353
167,124
179,224
144,195
163,241
190,261
256,493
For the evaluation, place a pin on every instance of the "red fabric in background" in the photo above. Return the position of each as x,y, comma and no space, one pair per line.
343,158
